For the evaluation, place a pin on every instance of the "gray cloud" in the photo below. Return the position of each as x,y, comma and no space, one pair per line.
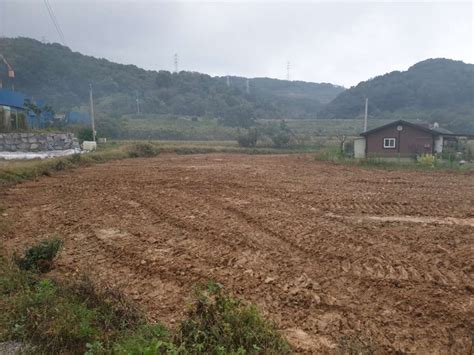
341,43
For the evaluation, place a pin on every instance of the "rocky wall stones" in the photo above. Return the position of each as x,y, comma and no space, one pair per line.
33,142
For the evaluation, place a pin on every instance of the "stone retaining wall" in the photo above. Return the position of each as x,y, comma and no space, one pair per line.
33,142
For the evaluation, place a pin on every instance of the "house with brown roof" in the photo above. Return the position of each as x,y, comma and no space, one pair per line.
404,139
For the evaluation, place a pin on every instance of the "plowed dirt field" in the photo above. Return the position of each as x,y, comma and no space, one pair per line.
326,251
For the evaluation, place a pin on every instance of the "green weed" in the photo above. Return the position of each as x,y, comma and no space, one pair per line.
142,150
220,324
39,257
58,318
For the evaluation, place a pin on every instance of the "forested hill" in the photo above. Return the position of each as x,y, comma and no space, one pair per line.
435,89
61,77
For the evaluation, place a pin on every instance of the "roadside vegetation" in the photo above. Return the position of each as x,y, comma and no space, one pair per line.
51,316
19,170
424,162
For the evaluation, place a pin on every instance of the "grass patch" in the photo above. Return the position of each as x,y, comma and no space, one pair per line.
220,324
12,172
335,156
142,150
76,317
59,318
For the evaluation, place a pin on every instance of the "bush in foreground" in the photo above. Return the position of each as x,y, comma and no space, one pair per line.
39,257
58,318
220,324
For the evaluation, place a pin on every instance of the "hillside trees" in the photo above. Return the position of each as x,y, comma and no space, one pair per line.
61,77
434,90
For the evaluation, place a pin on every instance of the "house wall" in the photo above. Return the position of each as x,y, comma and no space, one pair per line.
30,142
409,142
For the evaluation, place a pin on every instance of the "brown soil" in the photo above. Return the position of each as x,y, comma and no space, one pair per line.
325,251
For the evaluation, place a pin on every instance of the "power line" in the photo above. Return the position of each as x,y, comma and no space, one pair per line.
52,15
55,20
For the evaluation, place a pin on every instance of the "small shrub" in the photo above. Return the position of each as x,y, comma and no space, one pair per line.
142,150
75,159
40,257
85,134
248,139
280,139
220,324
427,160
329,154
60,165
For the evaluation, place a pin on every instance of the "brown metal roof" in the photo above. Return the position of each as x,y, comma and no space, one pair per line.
421,127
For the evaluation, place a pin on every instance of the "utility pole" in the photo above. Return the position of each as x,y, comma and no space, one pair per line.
365,116
247,86
176,62
91,102
138,102
288,71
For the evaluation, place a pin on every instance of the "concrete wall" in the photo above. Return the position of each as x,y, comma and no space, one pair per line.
33,142
438,144
409,142
359,148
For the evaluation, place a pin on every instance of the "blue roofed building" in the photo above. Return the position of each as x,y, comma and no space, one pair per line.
14,115
78,118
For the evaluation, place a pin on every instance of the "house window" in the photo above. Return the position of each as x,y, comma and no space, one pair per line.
389,143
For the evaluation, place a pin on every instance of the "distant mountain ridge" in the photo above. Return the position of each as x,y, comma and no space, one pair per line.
433,90
61,77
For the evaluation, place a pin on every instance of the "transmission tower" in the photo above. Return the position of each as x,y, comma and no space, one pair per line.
288,71
247,86
228,81
176,62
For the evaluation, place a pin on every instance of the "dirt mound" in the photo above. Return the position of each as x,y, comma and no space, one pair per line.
328,252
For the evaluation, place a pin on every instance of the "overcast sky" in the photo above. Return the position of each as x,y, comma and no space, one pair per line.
340,43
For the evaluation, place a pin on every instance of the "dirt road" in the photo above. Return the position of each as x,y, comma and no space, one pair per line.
325,251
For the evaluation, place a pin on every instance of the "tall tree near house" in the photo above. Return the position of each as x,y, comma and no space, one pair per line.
37,110
342,139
